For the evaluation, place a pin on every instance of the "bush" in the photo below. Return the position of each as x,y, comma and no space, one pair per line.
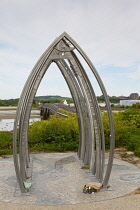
62,134
137,152
6,152
121,131
127,132
57,134
5,143
133,143
131,116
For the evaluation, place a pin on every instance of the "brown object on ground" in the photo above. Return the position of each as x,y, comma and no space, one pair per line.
96,185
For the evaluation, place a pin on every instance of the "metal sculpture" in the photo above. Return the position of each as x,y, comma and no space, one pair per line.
63,51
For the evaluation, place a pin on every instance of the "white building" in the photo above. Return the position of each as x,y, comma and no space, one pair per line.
71,105
128,102
65,102
102,104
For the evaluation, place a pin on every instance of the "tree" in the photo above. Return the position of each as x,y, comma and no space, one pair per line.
1,103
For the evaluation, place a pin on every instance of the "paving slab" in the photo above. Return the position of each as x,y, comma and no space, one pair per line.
58,180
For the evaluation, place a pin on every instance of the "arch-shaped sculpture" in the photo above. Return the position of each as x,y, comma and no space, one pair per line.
92,143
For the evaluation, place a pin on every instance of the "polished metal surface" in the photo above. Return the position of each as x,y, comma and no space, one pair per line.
63,51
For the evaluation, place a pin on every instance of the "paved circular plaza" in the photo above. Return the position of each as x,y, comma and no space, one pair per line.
57,179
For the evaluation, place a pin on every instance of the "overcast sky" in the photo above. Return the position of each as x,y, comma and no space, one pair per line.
107,30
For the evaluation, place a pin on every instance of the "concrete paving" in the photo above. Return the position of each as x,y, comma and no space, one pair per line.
122,203
58,181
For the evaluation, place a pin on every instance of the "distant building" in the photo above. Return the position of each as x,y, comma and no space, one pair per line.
102,104
117,105
123,97
134,96
64,102
118,97
128,102
71,105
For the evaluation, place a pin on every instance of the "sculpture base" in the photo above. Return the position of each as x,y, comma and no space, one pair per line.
58,180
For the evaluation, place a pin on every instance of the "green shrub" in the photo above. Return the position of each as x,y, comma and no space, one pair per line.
137,152
57,134
134,141
5,143
62,134
127,132
5,140
131,117
121,131
6,152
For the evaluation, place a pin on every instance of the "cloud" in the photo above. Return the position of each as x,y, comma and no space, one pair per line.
108,31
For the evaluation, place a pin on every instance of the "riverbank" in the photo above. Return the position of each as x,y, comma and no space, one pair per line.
12,116
7,117
8,107
10,113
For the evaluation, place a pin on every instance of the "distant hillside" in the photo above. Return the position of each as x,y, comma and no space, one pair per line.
9,102
52,99
43,99
57,99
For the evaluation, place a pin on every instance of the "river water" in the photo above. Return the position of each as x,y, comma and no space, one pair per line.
7,124
7,115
